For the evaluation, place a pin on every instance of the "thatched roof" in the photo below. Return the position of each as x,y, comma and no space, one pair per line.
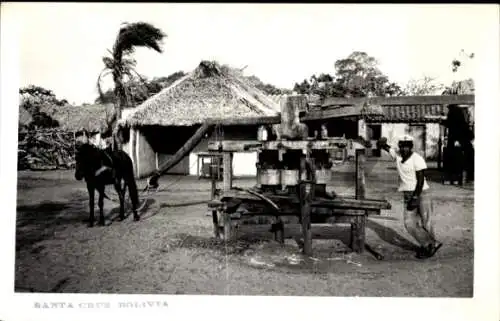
74,118
209,92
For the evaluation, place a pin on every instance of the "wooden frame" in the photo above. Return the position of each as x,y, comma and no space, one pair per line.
354,210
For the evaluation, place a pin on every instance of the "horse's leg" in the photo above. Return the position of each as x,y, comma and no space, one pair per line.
100,203
118,188
91,191
133,194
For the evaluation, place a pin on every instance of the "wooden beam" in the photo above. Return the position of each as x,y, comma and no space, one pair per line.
339,202
259,120
252,145
334,112
402,100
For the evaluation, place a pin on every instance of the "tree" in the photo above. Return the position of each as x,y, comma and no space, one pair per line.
121,66
422,87
356,76
268,89
360,76
31,98
141,89
464,86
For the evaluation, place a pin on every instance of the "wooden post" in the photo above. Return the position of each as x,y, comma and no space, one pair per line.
215,219
305,211
228,170
358,228
440,146
228,233
198,165
279,230
360,174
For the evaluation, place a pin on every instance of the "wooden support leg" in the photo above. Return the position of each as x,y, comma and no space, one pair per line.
377,255
228,231
215,221
279,231
361,233
306,219
354,234
358,228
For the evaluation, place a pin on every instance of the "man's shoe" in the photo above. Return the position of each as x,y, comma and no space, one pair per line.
429,251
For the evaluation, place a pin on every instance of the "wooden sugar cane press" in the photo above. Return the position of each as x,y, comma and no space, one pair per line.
293,172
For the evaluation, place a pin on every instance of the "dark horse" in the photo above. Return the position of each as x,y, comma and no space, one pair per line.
105,167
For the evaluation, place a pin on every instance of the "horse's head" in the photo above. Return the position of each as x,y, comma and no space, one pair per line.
80,168
83,155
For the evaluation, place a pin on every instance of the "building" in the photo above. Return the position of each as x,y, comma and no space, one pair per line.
420,116
155,130
75,118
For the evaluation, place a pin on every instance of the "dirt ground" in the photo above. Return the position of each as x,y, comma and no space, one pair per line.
172,250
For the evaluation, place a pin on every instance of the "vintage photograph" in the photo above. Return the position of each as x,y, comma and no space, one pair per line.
246,149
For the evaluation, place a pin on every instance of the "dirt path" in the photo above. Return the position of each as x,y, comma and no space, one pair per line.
171,250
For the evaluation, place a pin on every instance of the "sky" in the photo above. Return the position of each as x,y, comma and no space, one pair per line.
62,44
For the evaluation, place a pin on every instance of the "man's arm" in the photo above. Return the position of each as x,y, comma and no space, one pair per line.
420,167
420,183
388,149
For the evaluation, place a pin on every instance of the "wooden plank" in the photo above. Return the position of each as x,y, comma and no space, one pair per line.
259,120
402,100
339,202
335,212
335,112
254,145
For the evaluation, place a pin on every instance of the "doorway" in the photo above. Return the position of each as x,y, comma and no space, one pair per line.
373,134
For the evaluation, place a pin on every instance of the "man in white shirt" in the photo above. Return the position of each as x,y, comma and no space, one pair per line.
417,201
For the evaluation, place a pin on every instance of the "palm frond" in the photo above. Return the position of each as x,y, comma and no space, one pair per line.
129,62
139,34
103,73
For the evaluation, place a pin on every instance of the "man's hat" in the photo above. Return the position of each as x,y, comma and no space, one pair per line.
405,138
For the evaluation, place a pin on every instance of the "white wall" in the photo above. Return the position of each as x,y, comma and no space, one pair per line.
392,132
431,139
243,164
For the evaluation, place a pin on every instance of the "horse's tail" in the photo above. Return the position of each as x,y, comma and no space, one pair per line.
132,191
131,183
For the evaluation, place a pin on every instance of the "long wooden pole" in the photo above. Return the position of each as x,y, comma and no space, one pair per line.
358,228
360,174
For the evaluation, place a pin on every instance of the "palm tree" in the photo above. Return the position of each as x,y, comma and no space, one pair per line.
121,66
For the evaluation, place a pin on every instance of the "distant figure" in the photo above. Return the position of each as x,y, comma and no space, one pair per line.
324,132
417,201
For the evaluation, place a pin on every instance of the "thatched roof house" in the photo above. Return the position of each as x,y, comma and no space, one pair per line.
210,91
74,118
161,125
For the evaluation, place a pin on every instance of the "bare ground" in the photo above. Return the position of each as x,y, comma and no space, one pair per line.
172,251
